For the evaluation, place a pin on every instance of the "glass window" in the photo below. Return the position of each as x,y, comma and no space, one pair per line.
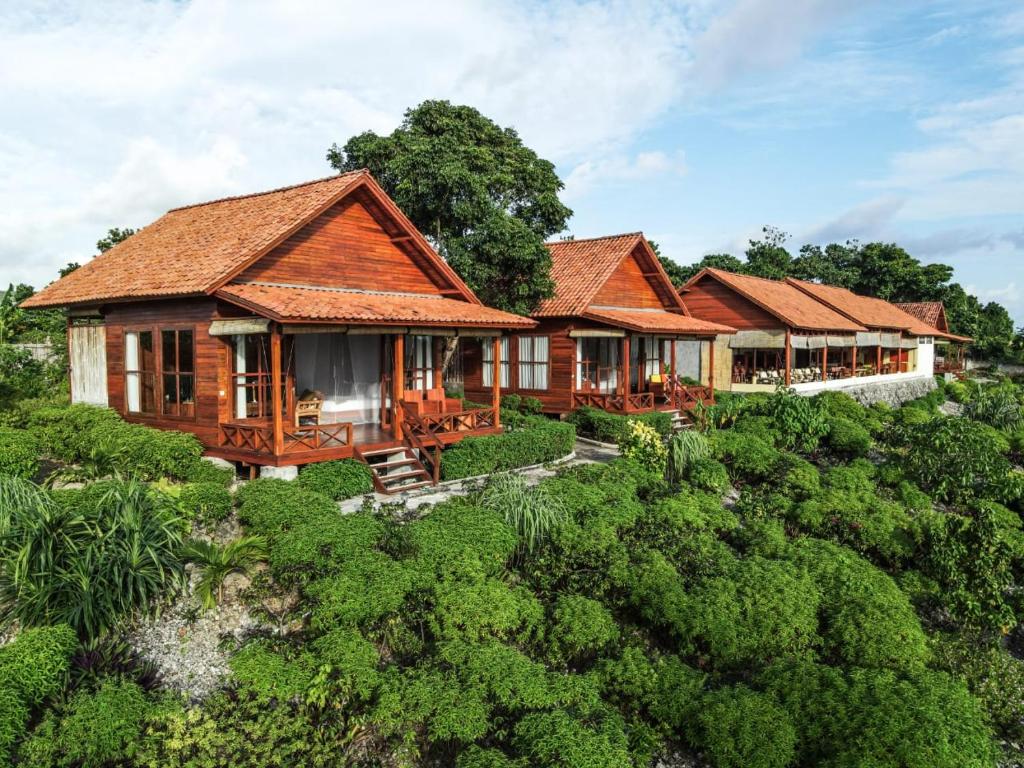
597,364
140,372
488,362
533,362
177,348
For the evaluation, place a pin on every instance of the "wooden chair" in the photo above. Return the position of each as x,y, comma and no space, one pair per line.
307,412
444,403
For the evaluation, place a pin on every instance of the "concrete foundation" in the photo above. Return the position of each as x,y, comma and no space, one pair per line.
287,472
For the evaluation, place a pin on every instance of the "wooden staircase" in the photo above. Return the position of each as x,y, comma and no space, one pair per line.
395,468
680,420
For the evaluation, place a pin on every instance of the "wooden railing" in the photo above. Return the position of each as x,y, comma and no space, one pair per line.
418,435
686,398
259,438
613,402
451,423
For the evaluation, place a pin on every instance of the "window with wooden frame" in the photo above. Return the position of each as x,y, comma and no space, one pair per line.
178,372
597,364
533,362
252,380
139,373
488,363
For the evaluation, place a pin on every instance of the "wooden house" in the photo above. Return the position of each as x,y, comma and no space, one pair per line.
950,349
807,335
292,326
613,336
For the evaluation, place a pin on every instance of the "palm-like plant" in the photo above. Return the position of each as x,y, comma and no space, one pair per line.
684,448
532,512
217,562
90,565
101,463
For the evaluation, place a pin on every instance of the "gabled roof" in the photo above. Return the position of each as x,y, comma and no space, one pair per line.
196,249
931,313
866,310
580,268
314,304
656,322
789,304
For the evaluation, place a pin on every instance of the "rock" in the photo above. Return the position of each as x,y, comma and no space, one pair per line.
894,393
952,409
287,472
220,463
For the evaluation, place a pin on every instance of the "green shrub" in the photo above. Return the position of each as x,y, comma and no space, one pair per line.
801,480
71,433
270,507
478,757
208,472
319,545
959,391
747,456
581,627
953,458
360,592
708,475
879,718
485,609
19,453
997,406
762,610
459,537
641,444
841,405
994,676
337,480
354,661
99,728
799,421
848,438
740,728
32,668
540,440
685,448
206,503
272,675
867,620
559,740
607,427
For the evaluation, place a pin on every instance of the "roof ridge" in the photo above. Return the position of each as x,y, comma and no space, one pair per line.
591,239
269,191
745,275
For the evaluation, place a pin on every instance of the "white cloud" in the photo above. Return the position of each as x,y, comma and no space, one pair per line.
116,112
863,222
617,168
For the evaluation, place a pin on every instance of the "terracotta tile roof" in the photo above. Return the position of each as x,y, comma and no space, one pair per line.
579,268
928,312
311,304
191,250
786,302
866,310
657,322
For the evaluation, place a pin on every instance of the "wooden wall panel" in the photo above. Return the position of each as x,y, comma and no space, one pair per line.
710,300
562,350
211,359
345,247
628,287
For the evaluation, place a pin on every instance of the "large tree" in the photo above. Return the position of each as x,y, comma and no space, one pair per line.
486,201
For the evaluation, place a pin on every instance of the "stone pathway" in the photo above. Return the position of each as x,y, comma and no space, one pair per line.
584,453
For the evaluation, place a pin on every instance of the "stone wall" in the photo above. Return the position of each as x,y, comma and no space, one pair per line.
895,393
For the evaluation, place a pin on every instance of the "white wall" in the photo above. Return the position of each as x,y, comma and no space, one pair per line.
926,358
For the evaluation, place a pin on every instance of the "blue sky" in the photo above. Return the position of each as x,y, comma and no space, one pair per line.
696,122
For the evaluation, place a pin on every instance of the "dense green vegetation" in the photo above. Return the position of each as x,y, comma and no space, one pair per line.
854,603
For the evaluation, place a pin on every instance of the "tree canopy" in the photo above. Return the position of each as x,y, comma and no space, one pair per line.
485,200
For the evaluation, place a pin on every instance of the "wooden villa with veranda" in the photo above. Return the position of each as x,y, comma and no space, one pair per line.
298,325
615,336
950,348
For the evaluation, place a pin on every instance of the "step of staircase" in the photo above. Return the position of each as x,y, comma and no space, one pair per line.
396,469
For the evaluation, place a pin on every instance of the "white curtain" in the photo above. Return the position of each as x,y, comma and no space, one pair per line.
133,385
346,369
488,362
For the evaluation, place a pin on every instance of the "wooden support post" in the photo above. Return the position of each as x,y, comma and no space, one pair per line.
899,353
496,380
625,370
436,359
711,367
878,364
275,384
672,356
789,357
397,385
824,363
853,364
